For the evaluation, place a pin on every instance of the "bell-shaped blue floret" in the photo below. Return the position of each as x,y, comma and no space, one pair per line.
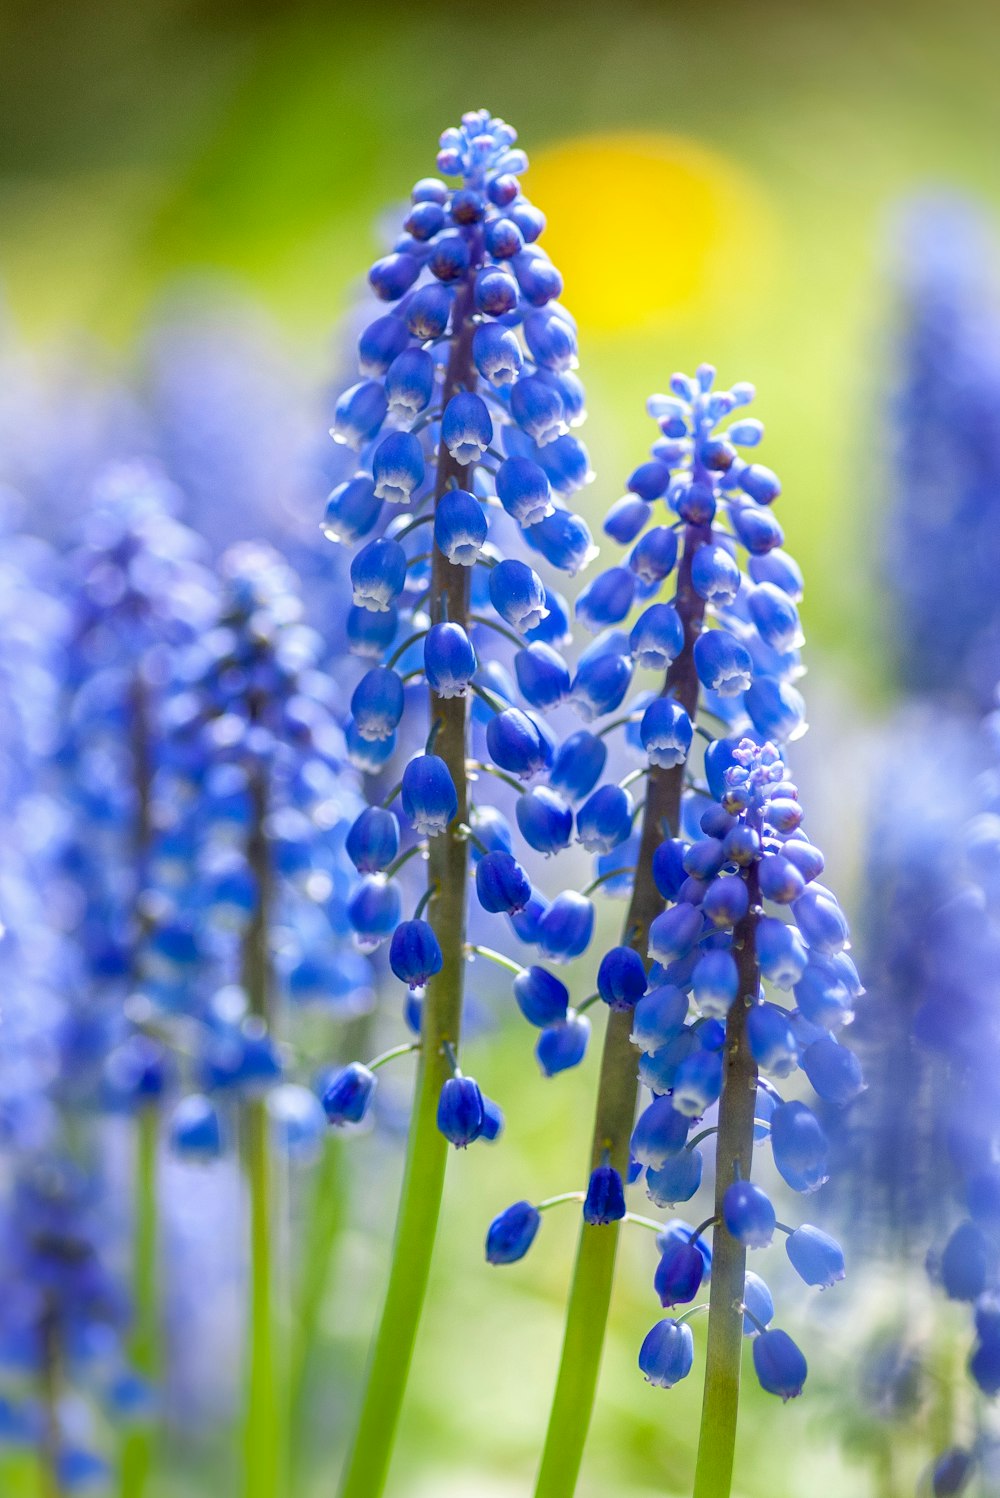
545,821
833,1070
380,343
517,744
606,599
562,537
352,511
398,467
799,1146
551,339
756,528
537,407
195,1128
543,676
722,663
495,292
563,1045
815,1256
359,413
674,933
460,527
497,354
669,872
780,880
605,819
373,840
657,637
414,953
566,927
776,709
428,311
393,275
771,1040
460,1112
502,886
667,1353
603,676
779,1365
666,733
370,635
654,555
537,277
605,1199
449,259
748,1214
348,1094
511,1233
370,756
821,921
658,1017
823,993
409,384
715,575
659,1133
715,983
677,1179
523,490
540,996
428,795
373,910
779,568
578,765
377,703
726,900
697,1083
554,629
517,594
621,978
780,952
449,660
967,1262
466,428
625,519
679,1273
953,1472
378,574
776,617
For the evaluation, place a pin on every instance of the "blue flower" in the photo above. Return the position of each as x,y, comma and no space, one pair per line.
511,1233
780,1367
460,1114
667,1353
605,1199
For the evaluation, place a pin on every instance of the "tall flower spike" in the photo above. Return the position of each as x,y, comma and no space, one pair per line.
462,422
724,640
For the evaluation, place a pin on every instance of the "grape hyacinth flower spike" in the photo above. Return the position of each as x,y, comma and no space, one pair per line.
721,862
462,425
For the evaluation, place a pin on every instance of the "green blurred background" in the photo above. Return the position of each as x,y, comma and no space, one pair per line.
720,179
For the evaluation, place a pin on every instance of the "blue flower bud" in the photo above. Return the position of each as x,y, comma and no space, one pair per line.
460,527
562,538
450,258
370,756
654,554
359,413
523,490
606,600
373,840
578,765
542,675
695,503
540,996
196,1128
511,1233
517,744
679,1273
460,1113
603,676
554,629
621,978
815,1256
783,813
799,1146
808,860
501,884
537,407
373,910
545,821
551,339
674,933
424,220
658,1017
823,995
722,663
780,880
677,1179
967,1262
370,635
666,733
779,568
449,660
625,519
715,575
776,709
566,927
537,276
398,467
771,1039
715,983
660,1132
649,481
760,483
380,343
409,385
952,1473
821,921
466,428
349,1093
659,1071
393,275
780,952
428,311
429,190
414,953
726,900
667,1353
756,528
984,1367
504,239
778,1364
698,1083
833,1070
352,511
748,1214
776,617
377,703
605,819
517,594
428,795
563,1045
497,354
495,291
605,1199
378,574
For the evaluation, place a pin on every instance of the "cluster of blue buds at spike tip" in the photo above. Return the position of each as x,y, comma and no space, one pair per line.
742,857
464,424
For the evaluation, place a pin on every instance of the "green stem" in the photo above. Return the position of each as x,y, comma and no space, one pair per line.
593,1275
323,1228
734,1157
368,1461
137,1451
